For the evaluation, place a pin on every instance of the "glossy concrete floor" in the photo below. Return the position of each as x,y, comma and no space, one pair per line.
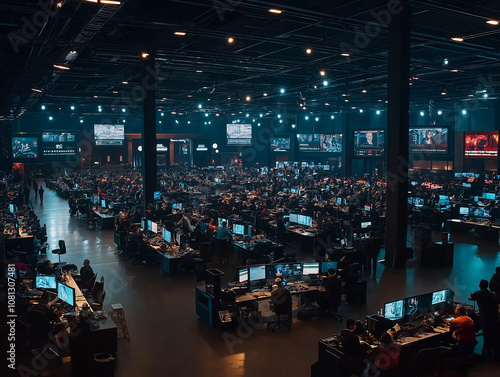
167,338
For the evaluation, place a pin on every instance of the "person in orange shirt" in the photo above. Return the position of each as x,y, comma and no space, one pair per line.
464,332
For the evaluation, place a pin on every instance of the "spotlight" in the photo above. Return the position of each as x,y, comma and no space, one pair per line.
492,22
207,114
279,115
281,120
215,146
361,111
363,91
43,107
260,115
457,39
293,125
200,106
124,121
247,98
322,73
72,107
81,120
333,117
275,11
422,113
440,112
265,94
485,95
282,90
230,40
258,124
180,33
50,118
306,117
308,51
144,55
378,112
325,83
316,119
464,112
445,62
162,114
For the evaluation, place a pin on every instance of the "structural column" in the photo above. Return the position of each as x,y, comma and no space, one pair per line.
348,145
148,86
397,138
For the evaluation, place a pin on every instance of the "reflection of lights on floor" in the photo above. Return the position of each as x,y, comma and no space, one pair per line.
235,363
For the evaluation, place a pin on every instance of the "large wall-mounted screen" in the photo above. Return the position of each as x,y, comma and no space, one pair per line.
369,143
58,144
280,144
109,134
239,134
481,144
24,147
320,143
429,140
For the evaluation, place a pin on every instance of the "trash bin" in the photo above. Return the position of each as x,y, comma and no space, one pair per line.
104,365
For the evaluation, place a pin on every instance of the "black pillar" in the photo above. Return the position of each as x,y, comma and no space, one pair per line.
148,85
397,138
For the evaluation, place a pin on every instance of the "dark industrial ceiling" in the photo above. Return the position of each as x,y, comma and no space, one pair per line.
268,54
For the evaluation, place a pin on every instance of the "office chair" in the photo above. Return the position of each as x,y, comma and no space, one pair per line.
40,330
283,309
88,284
100,300
97,289
428,361
60,251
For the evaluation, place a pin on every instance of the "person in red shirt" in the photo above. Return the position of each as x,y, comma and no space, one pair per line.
387,358
464,332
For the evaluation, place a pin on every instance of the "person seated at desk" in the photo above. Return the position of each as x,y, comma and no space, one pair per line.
281,298
351,347
464,332
223,233
44,307
86,272
333,291
386,360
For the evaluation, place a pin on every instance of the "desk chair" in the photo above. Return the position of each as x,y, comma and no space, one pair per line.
88,284
40,330
60,251
428,361
97,289
283,309
97,305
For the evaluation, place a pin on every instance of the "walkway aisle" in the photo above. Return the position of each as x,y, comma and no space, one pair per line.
167,338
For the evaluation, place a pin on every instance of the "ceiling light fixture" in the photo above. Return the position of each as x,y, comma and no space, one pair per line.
443,92
464,112
110,2
275,11
43,107
308,51
440,112
180,33
73,52
422,113
265,94
125,82
454,70
144,55
492,22
247,98
457,39
282,91
322,73
363,91
378,112
37,90
345,54
230,40
60,66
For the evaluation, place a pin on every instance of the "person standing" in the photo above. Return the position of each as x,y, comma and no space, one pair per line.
35,188
372,249
40,192
487,303
495,282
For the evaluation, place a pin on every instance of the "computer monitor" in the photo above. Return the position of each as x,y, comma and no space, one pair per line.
418,305
196,203
249,231
310,268
45,282
464,211
489,195
339,201
12,208
411,200
239,229
154,227
467,185
111,205
325,266
150,225
143,224
157,195
103,203
167,235
294,218
481,213
366,224
440,297
256,273
444,200
284,271
66,294
394,310
476,198
221,220
367,208
304,220
242,275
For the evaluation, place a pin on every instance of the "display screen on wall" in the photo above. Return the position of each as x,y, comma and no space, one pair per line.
369,142
280,144
320,142
109,134
24,148
429,140
481,144
58,144
239,134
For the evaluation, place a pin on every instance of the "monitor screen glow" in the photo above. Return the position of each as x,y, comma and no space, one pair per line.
66,294
394,310
310,268
243,275
257,273
46,282
239,229
167,236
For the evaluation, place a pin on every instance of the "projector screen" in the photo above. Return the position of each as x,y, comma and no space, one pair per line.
239,134
24,148
331,143
429,140
280,144
369,143
481,144
109,134
58,144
